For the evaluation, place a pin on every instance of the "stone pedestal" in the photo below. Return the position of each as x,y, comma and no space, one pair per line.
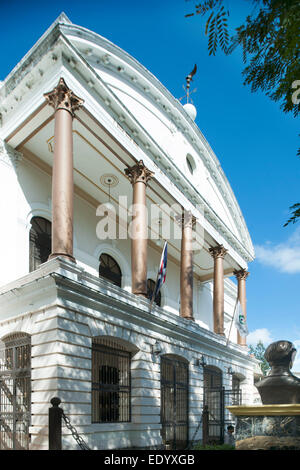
267,427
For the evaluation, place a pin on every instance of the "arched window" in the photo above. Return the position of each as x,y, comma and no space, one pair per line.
236,382
110,270
39,242
150,290
212,377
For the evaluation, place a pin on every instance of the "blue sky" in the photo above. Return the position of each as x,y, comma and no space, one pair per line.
254,140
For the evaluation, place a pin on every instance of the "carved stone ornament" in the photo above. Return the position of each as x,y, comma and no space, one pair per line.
63,98
186,219
241,275
9,155
138,173
218,251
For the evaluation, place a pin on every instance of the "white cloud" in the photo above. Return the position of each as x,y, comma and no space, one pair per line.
261,334
296,365
284,256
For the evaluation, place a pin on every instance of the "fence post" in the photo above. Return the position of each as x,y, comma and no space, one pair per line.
205,425
55,424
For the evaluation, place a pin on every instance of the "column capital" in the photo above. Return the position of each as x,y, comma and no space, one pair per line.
218,251
61,97
186,219
138,173
241,274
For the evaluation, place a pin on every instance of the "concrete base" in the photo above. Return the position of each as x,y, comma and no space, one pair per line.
267,427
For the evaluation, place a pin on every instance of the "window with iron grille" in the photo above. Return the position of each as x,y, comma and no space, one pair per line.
15,391
212,378
39,242
150,290
236,383
110,270
111,382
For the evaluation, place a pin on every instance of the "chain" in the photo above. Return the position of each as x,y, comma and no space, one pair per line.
78,439
193,438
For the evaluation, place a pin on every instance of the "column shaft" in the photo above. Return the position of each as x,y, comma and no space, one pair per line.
186,268
139,241
62,187
64,102
241,279
139,176
218,254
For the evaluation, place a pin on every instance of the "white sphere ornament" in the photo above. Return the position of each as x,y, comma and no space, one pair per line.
191,110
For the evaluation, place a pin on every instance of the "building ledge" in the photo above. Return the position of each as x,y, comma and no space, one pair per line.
93,292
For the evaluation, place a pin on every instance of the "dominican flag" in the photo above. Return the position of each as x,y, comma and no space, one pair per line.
162,271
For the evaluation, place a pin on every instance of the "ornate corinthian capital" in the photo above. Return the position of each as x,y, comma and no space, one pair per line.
186,219
63,98
242,274
218,251
138,173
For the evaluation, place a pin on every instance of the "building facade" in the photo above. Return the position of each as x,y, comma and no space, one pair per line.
99,165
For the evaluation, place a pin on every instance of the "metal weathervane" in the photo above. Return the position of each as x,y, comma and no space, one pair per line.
189,79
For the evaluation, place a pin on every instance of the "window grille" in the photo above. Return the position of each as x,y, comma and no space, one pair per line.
39,242
212,378
110,270
15,392
111,382
174,401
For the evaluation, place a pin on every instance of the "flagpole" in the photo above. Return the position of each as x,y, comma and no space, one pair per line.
236,302
152,298
153,293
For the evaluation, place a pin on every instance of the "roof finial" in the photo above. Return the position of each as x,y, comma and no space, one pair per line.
189,108
189,79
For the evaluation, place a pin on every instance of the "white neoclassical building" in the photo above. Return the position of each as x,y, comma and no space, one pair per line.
99,164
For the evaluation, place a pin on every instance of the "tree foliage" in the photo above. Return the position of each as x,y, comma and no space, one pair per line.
258,352
270,42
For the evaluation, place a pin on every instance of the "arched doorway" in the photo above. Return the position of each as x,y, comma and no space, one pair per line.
174,401
15,391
